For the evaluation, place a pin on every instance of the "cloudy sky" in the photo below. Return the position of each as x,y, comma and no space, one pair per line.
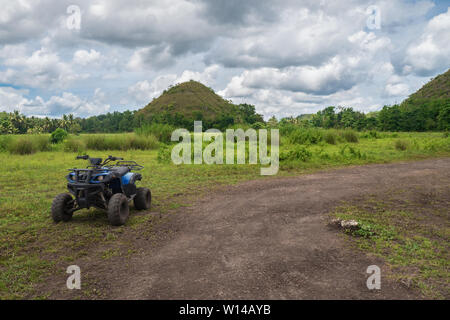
287,57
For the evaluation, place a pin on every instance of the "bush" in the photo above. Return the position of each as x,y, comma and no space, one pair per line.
401,145
258,125
163,132
298,153
58,135
350,136
164,154
306,136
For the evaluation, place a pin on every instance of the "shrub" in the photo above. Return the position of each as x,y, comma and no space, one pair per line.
163,132
330,137
352,153
258,125
298,153
350,136
164,154
74,145
401,145
58,135
306,136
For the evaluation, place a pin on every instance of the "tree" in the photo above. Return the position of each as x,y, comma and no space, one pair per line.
444,118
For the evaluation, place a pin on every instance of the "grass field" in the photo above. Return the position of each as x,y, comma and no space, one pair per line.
31,245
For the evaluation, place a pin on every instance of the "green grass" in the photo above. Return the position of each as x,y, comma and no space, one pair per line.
32,246
413,239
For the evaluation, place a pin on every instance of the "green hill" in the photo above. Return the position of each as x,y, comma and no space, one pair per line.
191,100
426,109
437,88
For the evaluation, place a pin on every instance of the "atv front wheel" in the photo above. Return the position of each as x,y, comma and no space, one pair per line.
61,207
143,199
118,210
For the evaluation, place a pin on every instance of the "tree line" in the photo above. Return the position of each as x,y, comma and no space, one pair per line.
127,121
415,115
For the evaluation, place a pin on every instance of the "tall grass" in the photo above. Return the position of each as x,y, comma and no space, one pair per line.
349,135
5,140
121,142
401,144
330,137
28,144
74,145
162,132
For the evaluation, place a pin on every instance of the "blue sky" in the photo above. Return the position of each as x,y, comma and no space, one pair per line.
286,57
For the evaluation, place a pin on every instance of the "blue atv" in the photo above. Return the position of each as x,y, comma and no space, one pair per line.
107,185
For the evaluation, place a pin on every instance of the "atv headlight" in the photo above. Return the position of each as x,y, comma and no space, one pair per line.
100,178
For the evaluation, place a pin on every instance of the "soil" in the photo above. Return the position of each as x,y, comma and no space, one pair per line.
262,239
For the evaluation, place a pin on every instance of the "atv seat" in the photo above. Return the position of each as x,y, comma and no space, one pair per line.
120,171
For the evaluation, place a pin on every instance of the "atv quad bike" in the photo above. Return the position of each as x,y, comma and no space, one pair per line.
107,185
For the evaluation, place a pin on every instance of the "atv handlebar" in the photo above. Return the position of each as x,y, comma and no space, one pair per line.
97,162
110,158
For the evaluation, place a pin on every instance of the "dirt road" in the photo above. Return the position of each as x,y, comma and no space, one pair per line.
266,239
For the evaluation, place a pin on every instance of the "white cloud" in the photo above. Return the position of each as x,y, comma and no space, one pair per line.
397,89
41,69
205,77
144,91
155,57
431,53
12,99
85,58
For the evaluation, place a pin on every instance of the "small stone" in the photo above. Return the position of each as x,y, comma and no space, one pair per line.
335,223
350,224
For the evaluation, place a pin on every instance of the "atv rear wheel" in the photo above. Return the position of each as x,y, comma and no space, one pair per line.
118,210
61,206
143,199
